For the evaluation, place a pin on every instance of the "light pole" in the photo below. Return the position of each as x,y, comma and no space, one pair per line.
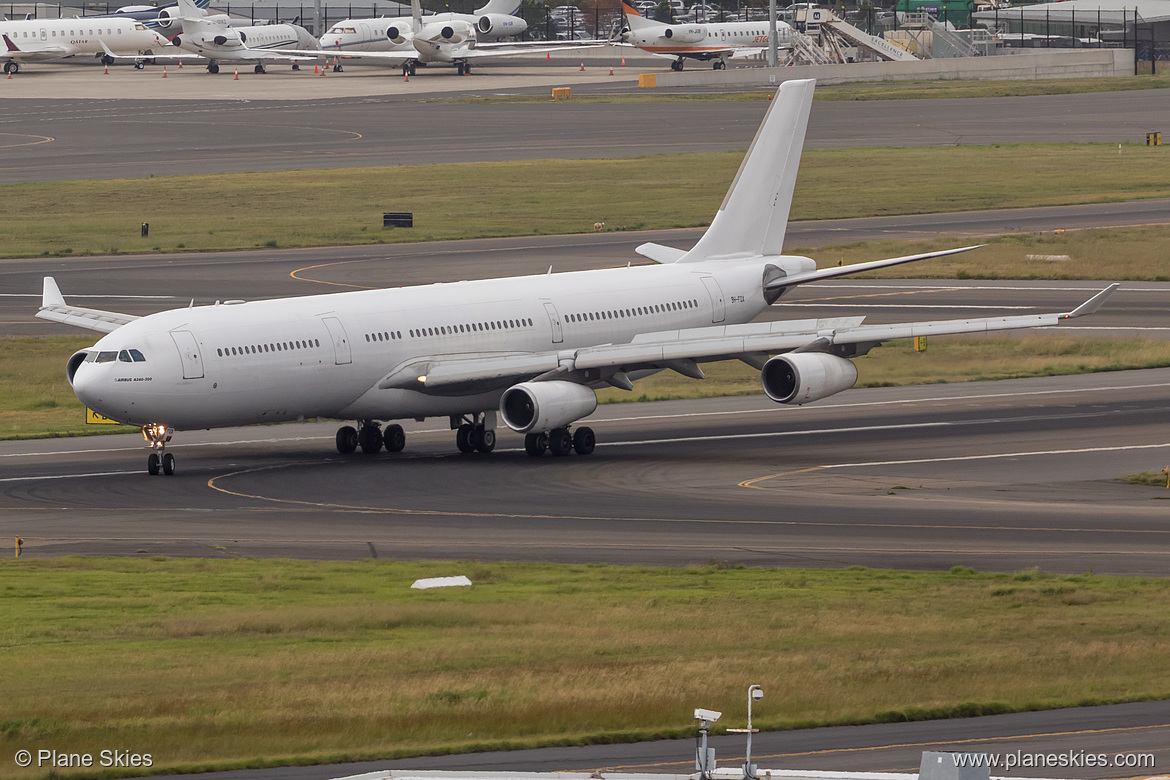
755,693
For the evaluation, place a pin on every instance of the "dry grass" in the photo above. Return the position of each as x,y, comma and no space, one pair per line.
344,206
1155,478
205,662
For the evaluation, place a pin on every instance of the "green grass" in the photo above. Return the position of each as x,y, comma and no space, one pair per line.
344,206
885,90
1121,254
215,663
1155,478
36,400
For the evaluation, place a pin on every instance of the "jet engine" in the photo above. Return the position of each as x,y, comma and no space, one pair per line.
168,18
542,406
685,35
455,32
499,25
394,35
801,377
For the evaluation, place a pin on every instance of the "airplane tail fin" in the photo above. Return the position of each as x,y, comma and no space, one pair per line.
189,9
635,20
502,7
754,215
416,14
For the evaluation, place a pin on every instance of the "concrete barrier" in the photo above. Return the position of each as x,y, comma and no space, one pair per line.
1063,64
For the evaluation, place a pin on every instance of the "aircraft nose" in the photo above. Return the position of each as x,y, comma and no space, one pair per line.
88,386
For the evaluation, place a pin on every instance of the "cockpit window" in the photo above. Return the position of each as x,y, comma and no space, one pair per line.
138,356
107,357
90,357
124,357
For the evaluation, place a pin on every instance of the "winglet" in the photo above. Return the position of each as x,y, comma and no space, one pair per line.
629,10
52,294
1091,305
8,42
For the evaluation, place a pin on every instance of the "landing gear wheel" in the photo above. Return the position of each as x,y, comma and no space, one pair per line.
337,67
259,68
412,68
296,66
535,444
394,438
12,66
107,59
347,439
485,440
213,67
560,442
584,441
463,439
467,69
168,464
139,65
370,439
459,68
676,65
152,461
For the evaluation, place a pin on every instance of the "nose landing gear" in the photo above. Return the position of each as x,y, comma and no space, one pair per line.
157,436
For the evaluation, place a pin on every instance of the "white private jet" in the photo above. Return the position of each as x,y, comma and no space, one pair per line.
214,38
532,347
715,41
449,39
30,40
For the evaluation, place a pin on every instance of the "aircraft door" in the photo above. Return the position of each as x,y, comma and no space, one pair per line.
555,320
188,347
44,34
718,310
341,353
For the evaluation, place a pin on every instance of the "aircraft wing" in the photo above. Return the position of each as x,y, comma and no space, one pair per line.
682,349
54,308
386,56
488,50
169,53
280,55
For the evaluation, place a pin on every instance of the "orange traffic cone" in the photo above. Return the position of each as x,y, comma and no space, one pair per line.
9,74
405,76
315,71
106,73
164,71
611,70
237,74
180,64
623,59
582,64
548,56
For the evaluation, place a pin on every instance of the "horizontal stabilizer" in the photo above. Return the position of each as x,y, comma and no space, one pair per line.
856,268
659,253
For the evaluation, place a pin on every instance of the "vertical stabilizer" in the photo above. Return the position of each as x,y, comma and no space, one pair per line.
754,214
635,20
189,10
416,14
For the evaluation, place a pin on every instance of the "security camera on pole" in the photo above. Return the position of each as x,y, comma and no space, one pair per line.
755,693
704,757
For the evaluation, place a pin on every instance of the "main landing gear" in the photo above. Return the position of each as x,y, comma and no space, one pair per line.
475,433
408,68
370,437
463,68
12,66
213,67
260,68
719,64
677,64
559,442
157,437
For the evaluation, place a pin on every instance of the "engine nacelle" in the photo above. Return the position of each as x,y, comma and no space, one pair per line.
169,18
500,25
542,406
219,40
685,34
801,377
456,32
394,35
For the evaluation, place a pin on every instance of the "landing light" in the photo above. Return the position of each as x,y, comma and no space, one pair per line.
423,378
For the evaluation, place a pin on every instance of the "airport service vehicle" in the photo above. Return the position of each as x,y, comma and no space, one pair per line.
713,41
31,40
527,350
446,39
214,38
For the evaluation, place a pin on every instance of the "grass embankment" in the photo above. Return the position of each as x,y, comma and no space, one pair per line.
240,662
344,206
37,402
1148,478
885,90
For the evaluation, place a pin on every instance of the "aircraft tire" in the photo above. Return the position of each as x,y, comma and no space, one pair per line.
347,439
168,464
535,444
213,67
139,65
394,438
463,439
485,441
467,69
560,442
152,462
584,441
258,69
459,68
370,439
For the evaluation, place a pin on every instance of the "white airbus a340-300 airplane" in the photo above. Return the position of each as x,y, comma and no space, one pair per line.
533,347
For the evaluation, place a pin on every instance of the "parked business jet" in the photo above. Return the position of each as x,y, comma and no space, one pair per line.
448,39
534,347
715,41
215,38
31,40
